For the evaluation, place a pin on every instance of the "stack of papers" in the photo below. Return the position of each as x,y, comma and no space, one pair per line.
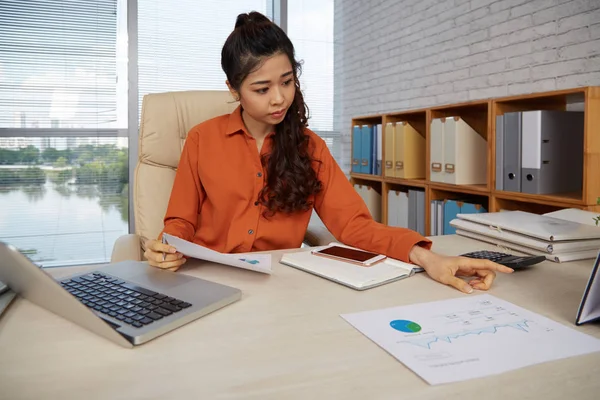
558,239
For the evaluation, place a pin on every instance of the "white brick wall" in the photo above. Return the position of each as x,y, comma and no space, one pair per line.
393,55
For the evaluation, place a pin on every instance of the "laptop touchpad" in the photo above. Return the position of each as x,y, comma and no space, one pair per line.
155,278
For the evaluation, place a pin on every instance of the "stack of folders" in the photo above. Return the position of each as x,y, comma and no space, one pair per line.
348,274
557,236
406,209
458,153
367,149
444,211
372,199
540,151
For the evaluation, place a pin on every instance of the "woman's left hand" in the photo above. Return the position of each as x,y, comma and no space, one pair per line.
446,269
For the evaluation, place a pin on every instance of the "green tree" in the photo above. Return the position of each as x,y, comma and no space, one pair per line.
30,155
50,154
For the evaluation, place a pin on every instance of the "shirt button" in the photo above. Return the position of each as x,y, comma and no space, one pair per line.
250,232
259,174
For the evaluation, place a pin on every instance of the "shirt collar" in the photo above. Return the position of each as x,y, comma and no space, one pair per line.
235,124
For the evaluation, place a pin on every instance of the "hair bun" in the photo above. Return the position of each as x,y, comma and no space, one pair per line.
253,17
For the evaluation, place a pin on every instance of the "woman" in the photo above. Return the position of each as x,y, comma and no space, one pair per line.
248,181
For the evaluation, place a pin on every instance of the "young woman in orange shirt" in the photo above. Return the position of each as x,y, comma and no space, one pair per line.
249,180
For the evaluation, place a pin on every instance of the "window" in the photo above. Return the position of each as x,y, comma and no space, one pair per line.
63,128
179,47
310,27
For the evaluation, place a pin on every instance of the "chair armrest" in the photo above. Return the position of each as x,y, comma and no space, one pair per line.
127,247
317,234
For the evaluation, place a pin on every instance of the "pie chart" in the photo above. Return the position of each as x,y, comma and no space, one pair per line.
404,325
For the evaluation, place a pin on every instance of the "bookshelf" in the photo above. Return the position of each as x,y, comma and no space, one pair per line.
481,116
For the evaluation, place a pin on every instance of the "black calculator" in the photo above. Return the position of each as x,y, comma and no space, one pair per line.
509,260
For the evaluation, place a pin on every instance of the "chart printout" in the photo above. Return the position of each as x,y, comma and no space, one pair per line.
475,336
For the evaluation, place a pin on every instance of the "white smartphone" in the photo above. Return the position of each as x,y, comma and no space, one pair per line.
360,257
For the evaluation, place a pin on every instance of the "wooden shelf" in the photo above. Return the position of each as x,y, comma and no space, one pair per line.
406,182
481,116
366,177
469,189
569,199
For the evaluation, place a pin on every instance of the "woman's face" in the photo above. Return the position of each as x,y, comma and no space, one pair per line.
267,93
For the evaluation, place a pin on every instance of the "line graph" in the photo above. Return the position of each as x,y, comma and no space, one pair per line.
426,342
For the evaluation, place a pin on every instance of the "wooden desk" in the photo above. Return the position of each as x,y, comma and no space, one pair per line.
283,340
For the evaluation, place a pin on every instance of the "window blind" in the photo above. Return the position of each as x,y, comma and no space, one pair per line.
63,102
58,64
179,47
310,27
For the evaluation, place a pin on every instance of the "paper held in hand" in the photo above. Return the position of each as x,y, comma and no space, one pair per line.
251,261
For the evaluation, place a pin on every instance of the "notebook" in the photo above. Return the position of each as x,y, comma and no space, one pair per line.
540,226
589,308
347,274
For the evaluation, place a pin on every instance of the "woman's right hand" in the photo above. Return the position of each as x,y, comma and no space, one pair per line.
155,251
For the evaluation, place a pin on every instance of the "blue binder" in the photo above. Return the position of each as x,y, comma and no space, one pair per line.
366,149
356,149
470,208
451,208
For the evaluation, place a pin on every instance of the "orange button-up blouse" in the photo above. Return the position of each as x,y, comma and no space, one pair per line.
214,198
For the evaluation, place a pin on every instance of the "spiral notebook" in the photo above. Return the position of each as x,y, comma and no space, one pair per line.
348,274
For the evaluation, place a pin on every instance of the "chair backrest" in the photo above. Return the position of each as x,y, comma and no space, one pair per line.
165,122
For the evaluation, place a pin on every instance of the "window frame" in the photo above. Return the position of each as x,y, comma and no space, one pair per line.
278,10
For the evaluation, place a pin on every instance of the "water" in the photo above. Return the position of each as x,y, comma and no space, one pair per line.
63,224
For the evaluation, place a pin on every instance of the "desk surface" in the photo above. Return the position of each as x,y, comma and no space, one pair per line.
284,339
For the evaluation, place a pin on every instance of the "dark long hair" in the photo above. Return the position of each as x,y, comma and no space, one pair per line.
291,179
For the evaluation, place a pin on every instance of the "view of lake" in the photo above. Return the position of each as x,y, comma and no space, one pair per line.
63,224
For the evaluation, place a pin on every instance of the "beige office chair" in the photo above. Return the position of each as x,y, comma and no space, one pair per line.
165,121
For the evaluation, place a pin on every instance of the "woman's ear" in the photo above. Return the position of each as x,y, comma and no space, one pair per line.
234,93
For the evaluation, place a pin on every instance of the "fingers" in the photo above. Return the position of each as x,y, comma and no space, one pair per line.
478,264
169,265
484,282
458,284
158,257
160,247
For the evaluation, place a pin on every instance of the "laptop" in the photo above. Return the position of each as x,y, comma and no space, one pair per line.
128,302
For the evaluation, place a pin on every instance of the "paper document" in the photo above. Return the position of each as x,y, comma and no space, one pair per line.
251,261
469,337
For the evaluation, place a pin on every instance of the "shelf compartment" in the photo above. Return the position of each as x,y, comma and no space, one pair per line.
420,183
570,199
561,100
475,114
511,204
466,189
366,177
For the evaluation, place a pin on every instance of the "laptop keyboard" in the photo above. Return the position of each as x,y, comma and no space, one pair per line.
125,301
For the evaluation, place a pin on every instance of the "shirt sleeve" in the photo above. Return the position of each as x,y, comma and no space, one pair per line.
187,195
347,217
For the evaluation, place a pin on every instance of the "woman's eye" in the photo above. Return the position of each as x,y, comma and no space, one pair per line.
262,91
287,82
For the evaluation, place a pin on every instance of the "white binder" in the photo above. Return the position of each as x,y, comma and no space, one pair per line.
539,226
545,246
465,154
437,151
